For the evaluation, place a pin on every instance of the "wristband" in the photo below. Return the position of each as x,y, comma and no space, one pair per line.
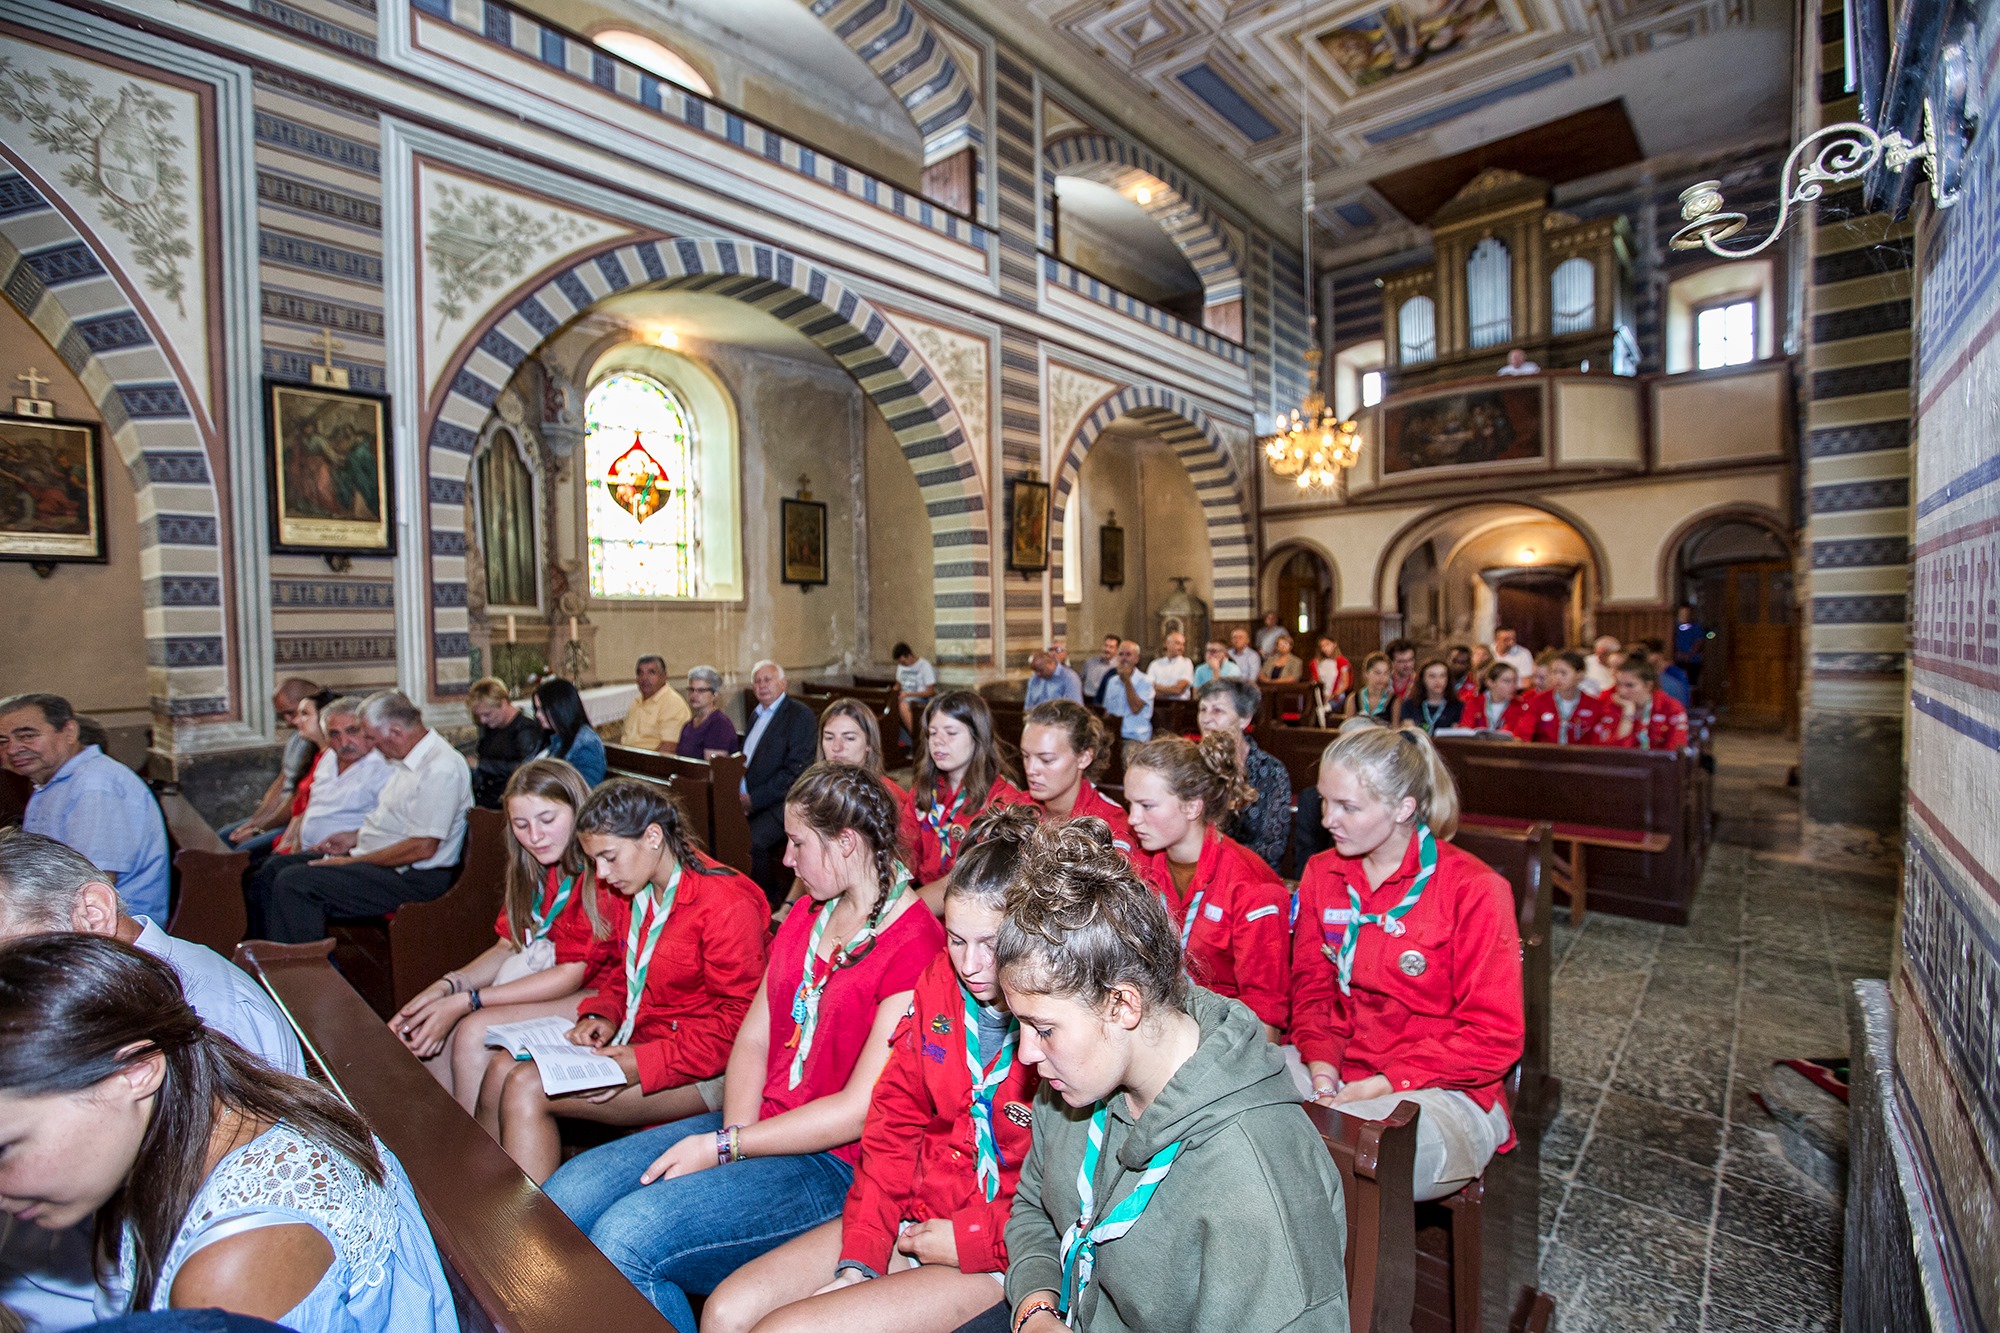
736,1143
1033,1308
722,1147
857,1266
472,996
450,980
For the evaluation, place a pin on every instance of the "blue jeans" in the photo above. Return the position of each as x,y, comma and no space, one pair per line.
689,1233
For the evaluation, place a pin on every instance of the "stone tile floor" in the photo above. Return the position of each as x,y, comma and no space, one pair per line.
1666,1202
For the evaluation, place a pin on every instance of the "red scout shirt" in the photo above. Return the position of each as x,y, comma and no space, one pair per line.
929,860
1458,1023
1095,804
892,965
919,1154
569,932
699,985
1518,716
1665,729
1581,727
1237,946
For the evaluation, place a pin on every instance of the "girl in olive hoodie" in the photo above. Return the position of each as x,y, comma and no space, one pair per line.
1175,1183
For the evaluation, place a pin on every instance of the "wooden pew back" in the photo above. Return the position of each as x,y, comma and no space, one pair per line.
707,791
1524,859
426,940
880,700
515,1262
208,910
1376,1160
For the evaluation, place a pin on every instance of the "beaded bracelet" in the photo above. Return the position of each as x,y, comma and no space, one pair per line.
1033,1308
473,996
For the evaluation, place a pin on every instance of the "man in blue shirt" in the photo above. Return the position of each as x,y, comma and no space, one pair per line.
1690,639
87,800
1051,680
1128,694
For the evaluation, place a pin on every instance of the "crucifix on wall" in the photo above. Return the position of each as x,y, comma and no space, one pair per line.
32,404
324,373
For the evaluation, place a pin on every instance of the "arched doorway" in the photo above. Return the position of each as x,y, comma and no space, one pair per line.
1298,585
1457,575
1737,574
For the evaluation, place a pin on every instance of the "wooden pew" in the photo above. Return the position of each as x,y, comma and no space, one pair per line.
14,793
881,701
1288,703
208,906
707,790
1174,717
1376,1159
516,1264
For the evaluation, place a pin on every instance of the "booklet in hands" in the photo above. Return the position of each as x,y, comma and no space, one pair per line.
564,1067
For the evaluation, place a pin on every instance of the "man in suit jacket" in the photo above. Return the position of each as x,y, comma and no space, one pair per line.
778,745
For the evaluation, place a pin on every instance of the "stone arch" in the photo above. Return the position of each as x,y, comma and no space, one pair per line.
1192,435
793,290
1397,549
1180,209
62,283
1677,540
1276,556
899,43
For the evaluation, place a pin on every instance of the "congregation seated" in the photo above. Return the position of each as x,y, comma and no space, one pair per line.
1062,744
1332,673
1402,655
1431,704
216,1180
959,773
656,718
406,850
1566,714
916,685
709,730
1600,670
1376,696
1406,959
46,1275
567,728
1215,665
550,919
86,800
1501,706
679,1207
345,782
1508,648
508,738
1050,679
1263,824
258,830
1098,669
1171,673
308,724
849,734
1248,661
777,749
1283,663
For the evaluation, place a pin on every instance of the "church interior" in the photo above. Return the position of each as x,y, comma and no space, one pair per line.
902,350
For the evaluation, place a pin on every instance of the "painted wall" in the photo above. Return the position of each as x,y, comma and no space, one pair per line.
899,585
1137,475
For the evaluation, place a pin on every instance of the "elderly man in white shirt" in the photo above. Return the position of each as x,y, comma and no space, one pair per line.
347,780
407,849
1507,648
1171,672
46,1276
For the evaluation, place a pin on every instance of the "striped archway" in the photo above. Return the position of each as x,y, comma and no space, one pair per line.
61,283
1192,435
796,292
1176,205
898,42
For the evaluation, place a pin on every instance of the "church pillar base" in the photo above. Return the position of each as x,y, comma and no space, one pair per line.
1851,787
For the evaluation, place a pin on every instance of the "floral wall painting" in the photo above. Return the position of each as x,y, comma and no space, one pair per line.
1406,34
51,492
329,463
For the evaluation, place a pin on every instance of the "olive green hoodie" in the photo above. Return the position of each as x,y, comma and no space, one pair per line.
1247,1232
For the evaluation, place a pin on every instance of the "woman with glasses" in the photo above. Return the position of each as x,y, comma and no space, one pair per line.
711,729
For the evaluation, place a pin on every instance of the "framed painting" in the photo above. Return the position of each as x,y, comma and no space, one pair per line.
1110,555
331,468
51,491
1028,544
804,537
1463,428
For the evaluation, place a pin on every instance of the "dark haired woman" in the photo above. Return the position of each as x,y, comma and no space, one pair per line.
920,1244
215,1180
1232,911
1638,714
1174,1184
1062,743
959,772
550,918
1406,963
670,979
1502,707
1566,714
309,720
680,1207
572,739
1431,704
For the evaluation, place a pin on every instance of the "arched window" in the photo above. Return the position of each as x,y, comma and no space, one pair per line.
642,507
654,58
1488,302
1416,331
507,524
1573,295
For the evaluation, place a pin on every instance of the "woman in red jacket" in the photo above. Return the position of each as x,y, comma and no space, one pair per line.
959,772
1232,910
1061,742
921,1244
1503,707
683,953
1639,715
1565,714
1406,964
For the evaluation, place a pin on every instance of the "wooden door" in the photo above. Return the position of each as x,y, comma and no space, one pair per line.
1761,632
1536,609
1303,587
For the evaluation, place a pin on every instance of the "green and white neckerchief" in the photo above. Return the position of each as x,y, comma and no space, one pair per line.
1565,709
1431,714
1391,921
940,822
1187,922
1368,706
544,921
805,1000
641,938
1642,726
984,1083
1080,1242
1496,713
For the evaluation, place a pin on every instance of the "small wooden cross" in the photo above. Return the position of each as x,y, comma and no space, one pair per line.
34,379
327,374
32,404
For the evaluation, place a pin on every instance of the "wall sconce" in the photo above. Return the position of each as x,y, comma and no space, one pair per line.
1528,554
1143,195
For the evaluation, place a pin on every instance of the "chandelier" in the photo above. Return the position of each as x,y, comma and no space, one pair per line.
1311,444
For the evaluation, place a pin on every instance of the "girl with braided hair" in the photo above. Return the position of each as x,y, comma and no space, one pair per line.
1406,962
1232,911
1175,1184
921,1243
680,1207
667,981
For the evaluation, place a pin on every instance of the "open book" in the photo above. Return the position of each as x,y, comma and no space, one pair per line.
563,1067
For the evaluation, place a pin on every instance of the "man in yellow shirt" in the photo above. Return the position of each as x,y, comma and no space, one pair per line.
655,719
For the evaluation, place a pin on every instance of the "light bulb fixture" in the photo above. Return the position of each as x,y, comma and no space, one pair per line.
666,337
1143,195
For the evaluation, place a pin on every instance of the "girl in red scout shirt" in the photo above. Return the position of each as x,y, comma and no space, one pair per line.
1061,742
682,952
849,734
550,918
1406,965
959,773
679,1207
921,1244
1565,715
1639,715
1503,707
1232,910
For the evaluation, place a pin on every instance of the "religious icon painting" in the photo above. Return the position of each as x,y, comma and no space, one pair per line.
1028,544
331,473
51,491
804,540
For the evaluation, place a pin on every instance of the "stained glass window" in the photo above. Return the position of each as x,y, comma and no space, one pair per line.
642,505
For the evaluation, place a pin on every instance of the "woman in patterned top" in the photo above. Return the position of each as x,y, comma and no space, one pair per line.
215,1180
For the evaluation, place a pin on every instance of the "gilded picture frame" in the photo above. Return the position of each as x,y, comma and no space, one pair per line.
1028,530
51,491
331,469
802,548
